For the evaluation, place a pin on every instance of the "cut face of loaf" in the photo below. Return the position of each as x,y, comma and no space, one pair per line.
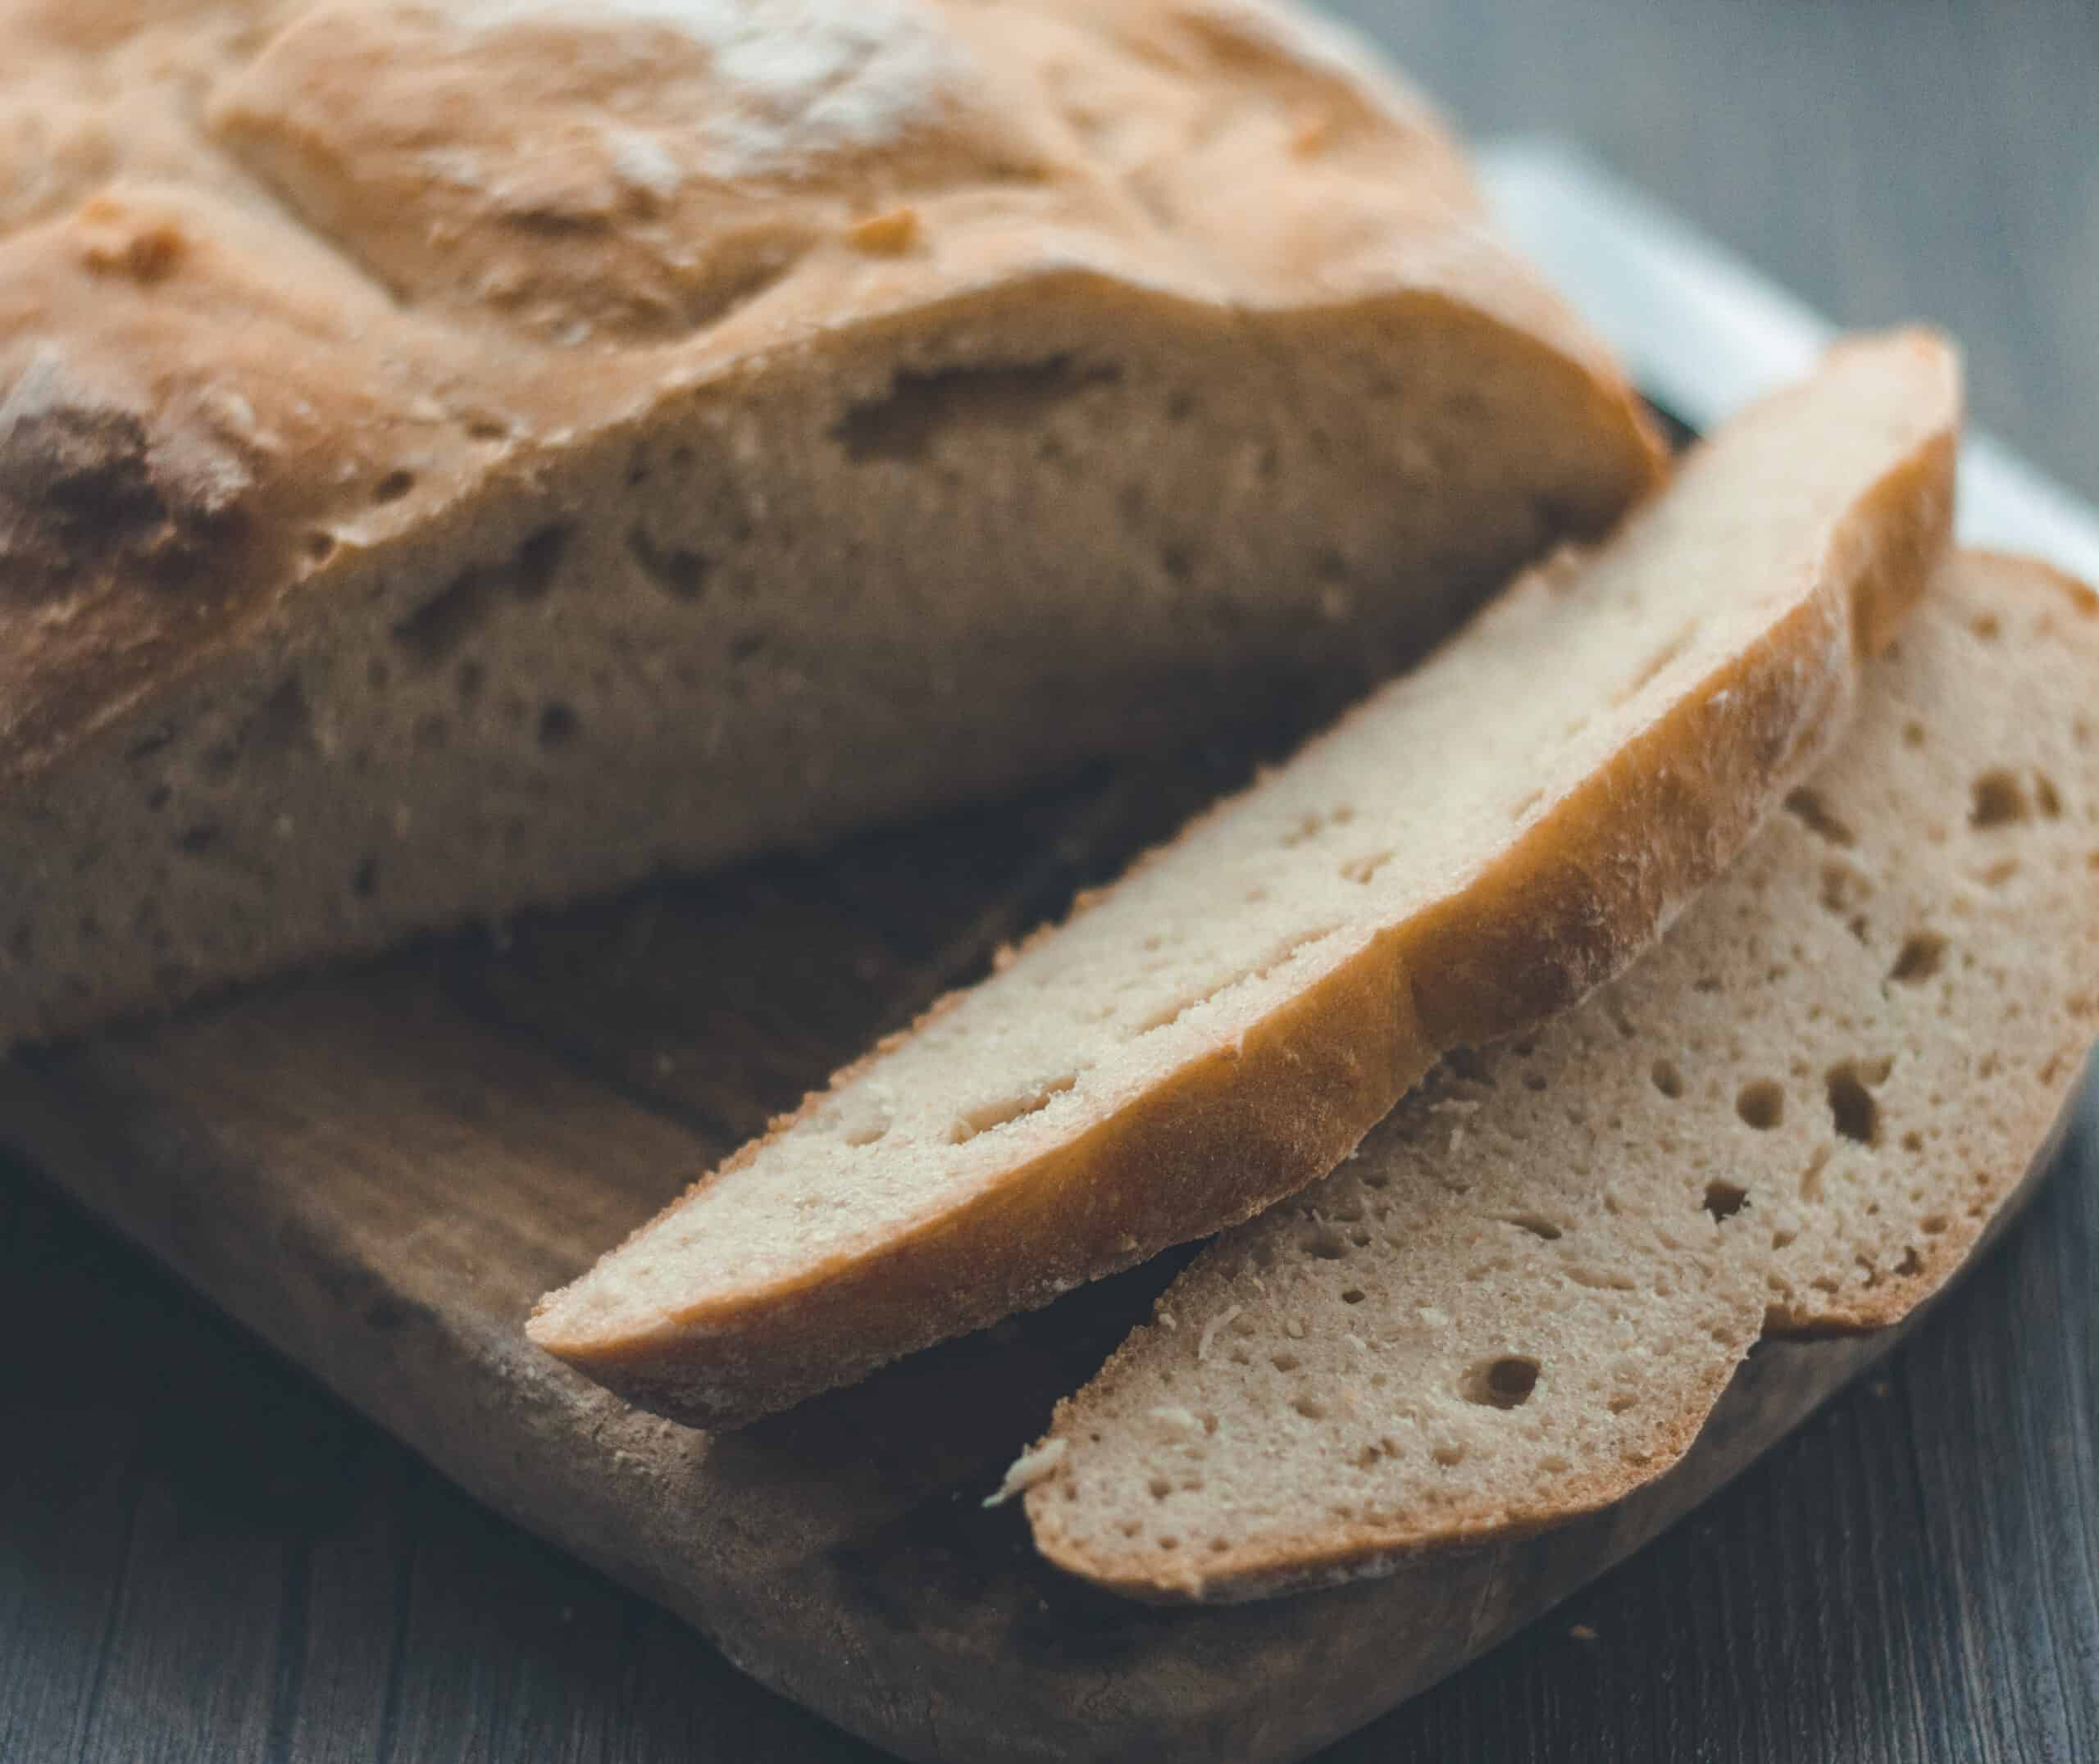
459,458
1473,848
1523,1296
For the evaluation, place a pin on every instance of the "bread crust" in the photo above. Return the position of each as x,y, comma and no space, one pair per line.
237,379
1592,883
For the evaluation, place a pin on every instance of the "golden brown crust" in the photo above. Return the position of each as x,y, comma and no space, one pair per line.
1594,880
279,285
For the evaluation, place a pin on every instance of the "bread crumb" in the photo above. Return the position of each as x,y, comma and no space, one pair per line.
1581,1632
1028,1468
1211,1328
1176,1417
1166,1321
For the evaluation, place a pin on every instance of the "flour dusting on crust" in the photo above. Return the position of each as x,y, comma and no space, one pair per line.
805,78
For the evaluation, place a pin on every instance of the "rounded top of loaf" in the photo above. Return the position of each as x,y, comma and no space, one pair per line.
284,282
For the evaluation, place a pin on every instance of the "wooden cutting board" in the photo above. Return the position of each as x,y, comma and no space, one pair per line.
379,1172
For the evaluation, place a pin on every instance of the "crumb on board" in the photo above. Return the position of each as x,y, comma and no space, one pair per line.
1211,1328
1028,1468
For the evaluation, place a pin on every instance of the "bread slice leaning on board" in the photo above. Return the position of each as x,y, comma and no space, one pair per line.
1523,1296
1472,849
457,458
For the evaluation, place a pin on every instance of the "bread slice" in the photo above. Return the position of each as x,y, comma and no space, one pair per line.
455,459
1473,848
1523,1295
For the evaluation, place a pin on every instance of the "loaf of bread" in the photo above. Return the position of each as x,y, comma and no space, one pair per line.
1523,1295
454,457
1473,848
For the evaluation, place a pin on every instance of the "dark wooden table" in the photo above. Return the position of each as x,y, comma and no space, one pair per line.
204,1557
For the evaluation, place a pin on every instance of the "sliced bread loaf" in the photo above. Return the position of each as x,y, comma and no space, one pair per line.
457,457
1473,848
1523,1296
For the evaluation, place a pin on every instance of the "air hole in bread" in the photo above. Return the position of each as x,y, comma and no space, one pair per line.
1987,625
1852,1109
198,839
1505,1382
679,573
867,1132
435,631
1537,1223
1172,1013
2046,797
1911,1263
364,878
1843,886
1310,1407
1011,1109
1536,1081
1922,954
1668,1080
1353,1296
1724,1199
1450,1456
320,546
1656,663
558,727
1762,1104
1362,869
1160,1488
1326,1244
393,486
1287,1362
1807,807
2000,801
904,423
